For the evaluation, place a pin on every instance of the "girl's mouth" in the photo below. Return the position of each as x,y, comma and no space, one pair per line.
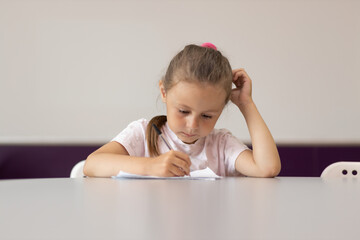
188,135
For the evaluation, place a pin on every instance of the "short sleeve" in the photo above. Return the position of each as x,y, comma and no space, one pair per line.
133,138
232,148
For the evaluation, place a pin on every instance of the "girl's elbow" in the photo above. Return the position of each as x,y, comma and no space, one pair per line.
271,172
87,167
86,170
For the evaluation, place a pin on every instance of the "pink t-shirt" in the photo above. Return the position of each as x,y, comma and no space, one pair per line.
218,151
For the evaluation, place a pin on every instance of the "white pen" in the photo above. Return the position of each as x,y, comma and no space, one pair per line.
160,135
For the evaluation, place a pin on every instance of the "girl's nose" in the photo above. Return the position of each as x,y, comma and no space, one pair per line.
193,123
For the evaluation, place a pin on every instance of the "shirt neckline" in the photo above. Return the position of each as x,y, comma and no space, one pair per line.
177,140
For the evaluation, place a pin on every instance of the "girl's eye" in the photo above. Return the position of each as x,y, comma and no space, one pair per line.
206,116
183,111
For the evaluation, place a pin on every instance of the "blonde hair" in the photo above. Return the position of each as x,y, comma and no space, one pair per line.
192,64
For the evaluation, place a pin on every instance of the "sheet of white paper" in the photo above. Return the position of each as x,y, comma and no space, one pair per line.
204,174
207,172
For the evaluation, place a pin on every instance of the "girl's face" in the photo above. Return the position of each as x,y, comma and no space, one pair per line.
193,109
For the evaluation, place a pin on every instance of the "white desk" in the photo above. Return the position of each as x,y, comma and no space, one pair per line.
231,208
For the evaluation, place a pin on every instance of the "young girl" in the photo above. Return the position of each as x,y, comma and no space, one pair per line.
196,87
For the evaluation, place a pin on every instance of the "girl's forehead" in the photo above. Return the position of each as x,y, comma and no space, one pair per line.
198,96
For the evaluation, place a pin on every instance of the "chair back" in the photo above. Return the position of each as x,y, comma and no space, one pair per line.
77,170
342,169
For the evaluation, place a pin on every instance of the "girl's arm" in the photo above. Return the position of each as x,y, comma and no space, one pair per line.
264,160
112,158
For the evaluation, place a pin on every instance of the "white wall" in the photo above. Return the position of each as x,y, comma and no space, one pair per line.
80,71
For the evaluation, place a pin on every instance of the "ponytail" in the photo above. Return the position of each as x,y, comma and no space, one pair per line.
152,136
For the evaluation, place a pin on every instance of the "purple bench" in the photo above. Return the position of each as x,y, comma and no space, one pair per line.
40,161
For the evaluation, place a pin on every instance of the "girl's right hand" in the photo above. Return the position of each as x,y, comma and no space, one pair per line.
170,164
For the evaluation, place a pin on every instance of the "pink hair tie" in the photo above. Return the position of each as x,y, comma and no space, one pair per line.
209,45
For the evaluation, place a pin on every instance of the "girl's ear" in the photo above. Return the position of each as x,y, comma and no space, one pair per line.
162,91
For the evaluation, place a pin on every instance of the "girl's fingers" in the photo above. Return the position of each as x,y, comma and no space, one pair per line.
183,157
239,81
179,163
241,73
240,77
237,72
177,172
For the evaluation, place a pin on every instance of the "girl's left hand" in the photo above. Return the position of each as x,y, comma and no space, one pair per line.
241,95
